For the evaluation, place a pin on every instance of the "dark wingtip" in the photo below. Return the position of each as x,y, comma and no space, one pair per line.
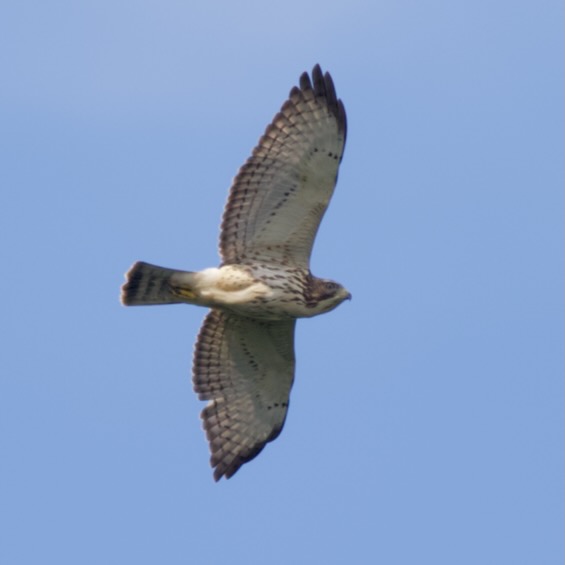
322,85
304,82
319,82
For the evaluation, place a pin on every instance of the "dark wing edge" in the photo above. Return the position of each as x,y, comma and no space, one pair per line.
245,373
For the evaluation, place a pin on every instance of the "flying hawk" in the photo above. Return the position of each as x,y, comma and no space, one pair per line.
244,354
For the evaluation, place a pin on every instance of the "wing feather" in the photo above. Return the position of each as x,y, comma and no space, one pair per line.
279,196
245,368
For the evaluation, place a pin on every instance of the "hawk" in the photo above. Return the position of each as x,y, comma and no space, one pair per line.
244,354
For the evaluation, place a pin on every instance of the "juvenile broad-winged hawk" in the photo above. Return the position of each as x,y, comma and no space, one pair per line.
244,354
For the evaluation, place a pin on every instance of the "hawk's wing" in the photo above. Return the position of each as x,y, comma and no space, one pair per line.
245,368
279,196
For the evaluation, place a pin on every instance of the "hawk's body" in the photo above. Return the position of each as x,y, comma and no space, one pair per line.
244,357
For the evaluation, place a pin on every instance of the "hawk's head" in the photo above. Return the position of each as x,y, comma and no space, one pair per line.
323,295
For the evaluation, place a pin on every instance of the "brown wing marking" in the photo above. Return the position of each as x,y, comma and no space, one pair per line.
280,194
245,368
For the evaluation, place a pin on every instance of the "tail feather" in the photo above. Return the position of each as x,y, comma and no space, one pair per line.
149,284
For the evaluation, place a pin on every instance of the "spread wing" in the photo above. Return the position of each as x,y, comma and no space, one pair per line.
279,196
245,368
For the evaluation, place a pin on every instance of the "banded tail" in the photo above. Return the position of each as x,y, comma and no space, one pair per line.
149,284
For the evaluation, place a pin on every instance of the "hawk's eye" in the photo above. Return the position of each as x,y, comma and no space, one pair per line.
331,286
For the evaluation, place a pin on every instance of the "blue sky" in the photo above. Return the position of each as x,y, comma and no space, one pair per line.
426,419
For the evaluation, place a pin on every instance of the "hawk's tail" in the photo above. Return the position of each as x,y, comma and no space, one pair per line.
148,284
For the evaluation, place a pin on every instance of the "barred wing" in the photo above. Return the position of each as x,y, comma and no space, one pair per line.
279,196
245,368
